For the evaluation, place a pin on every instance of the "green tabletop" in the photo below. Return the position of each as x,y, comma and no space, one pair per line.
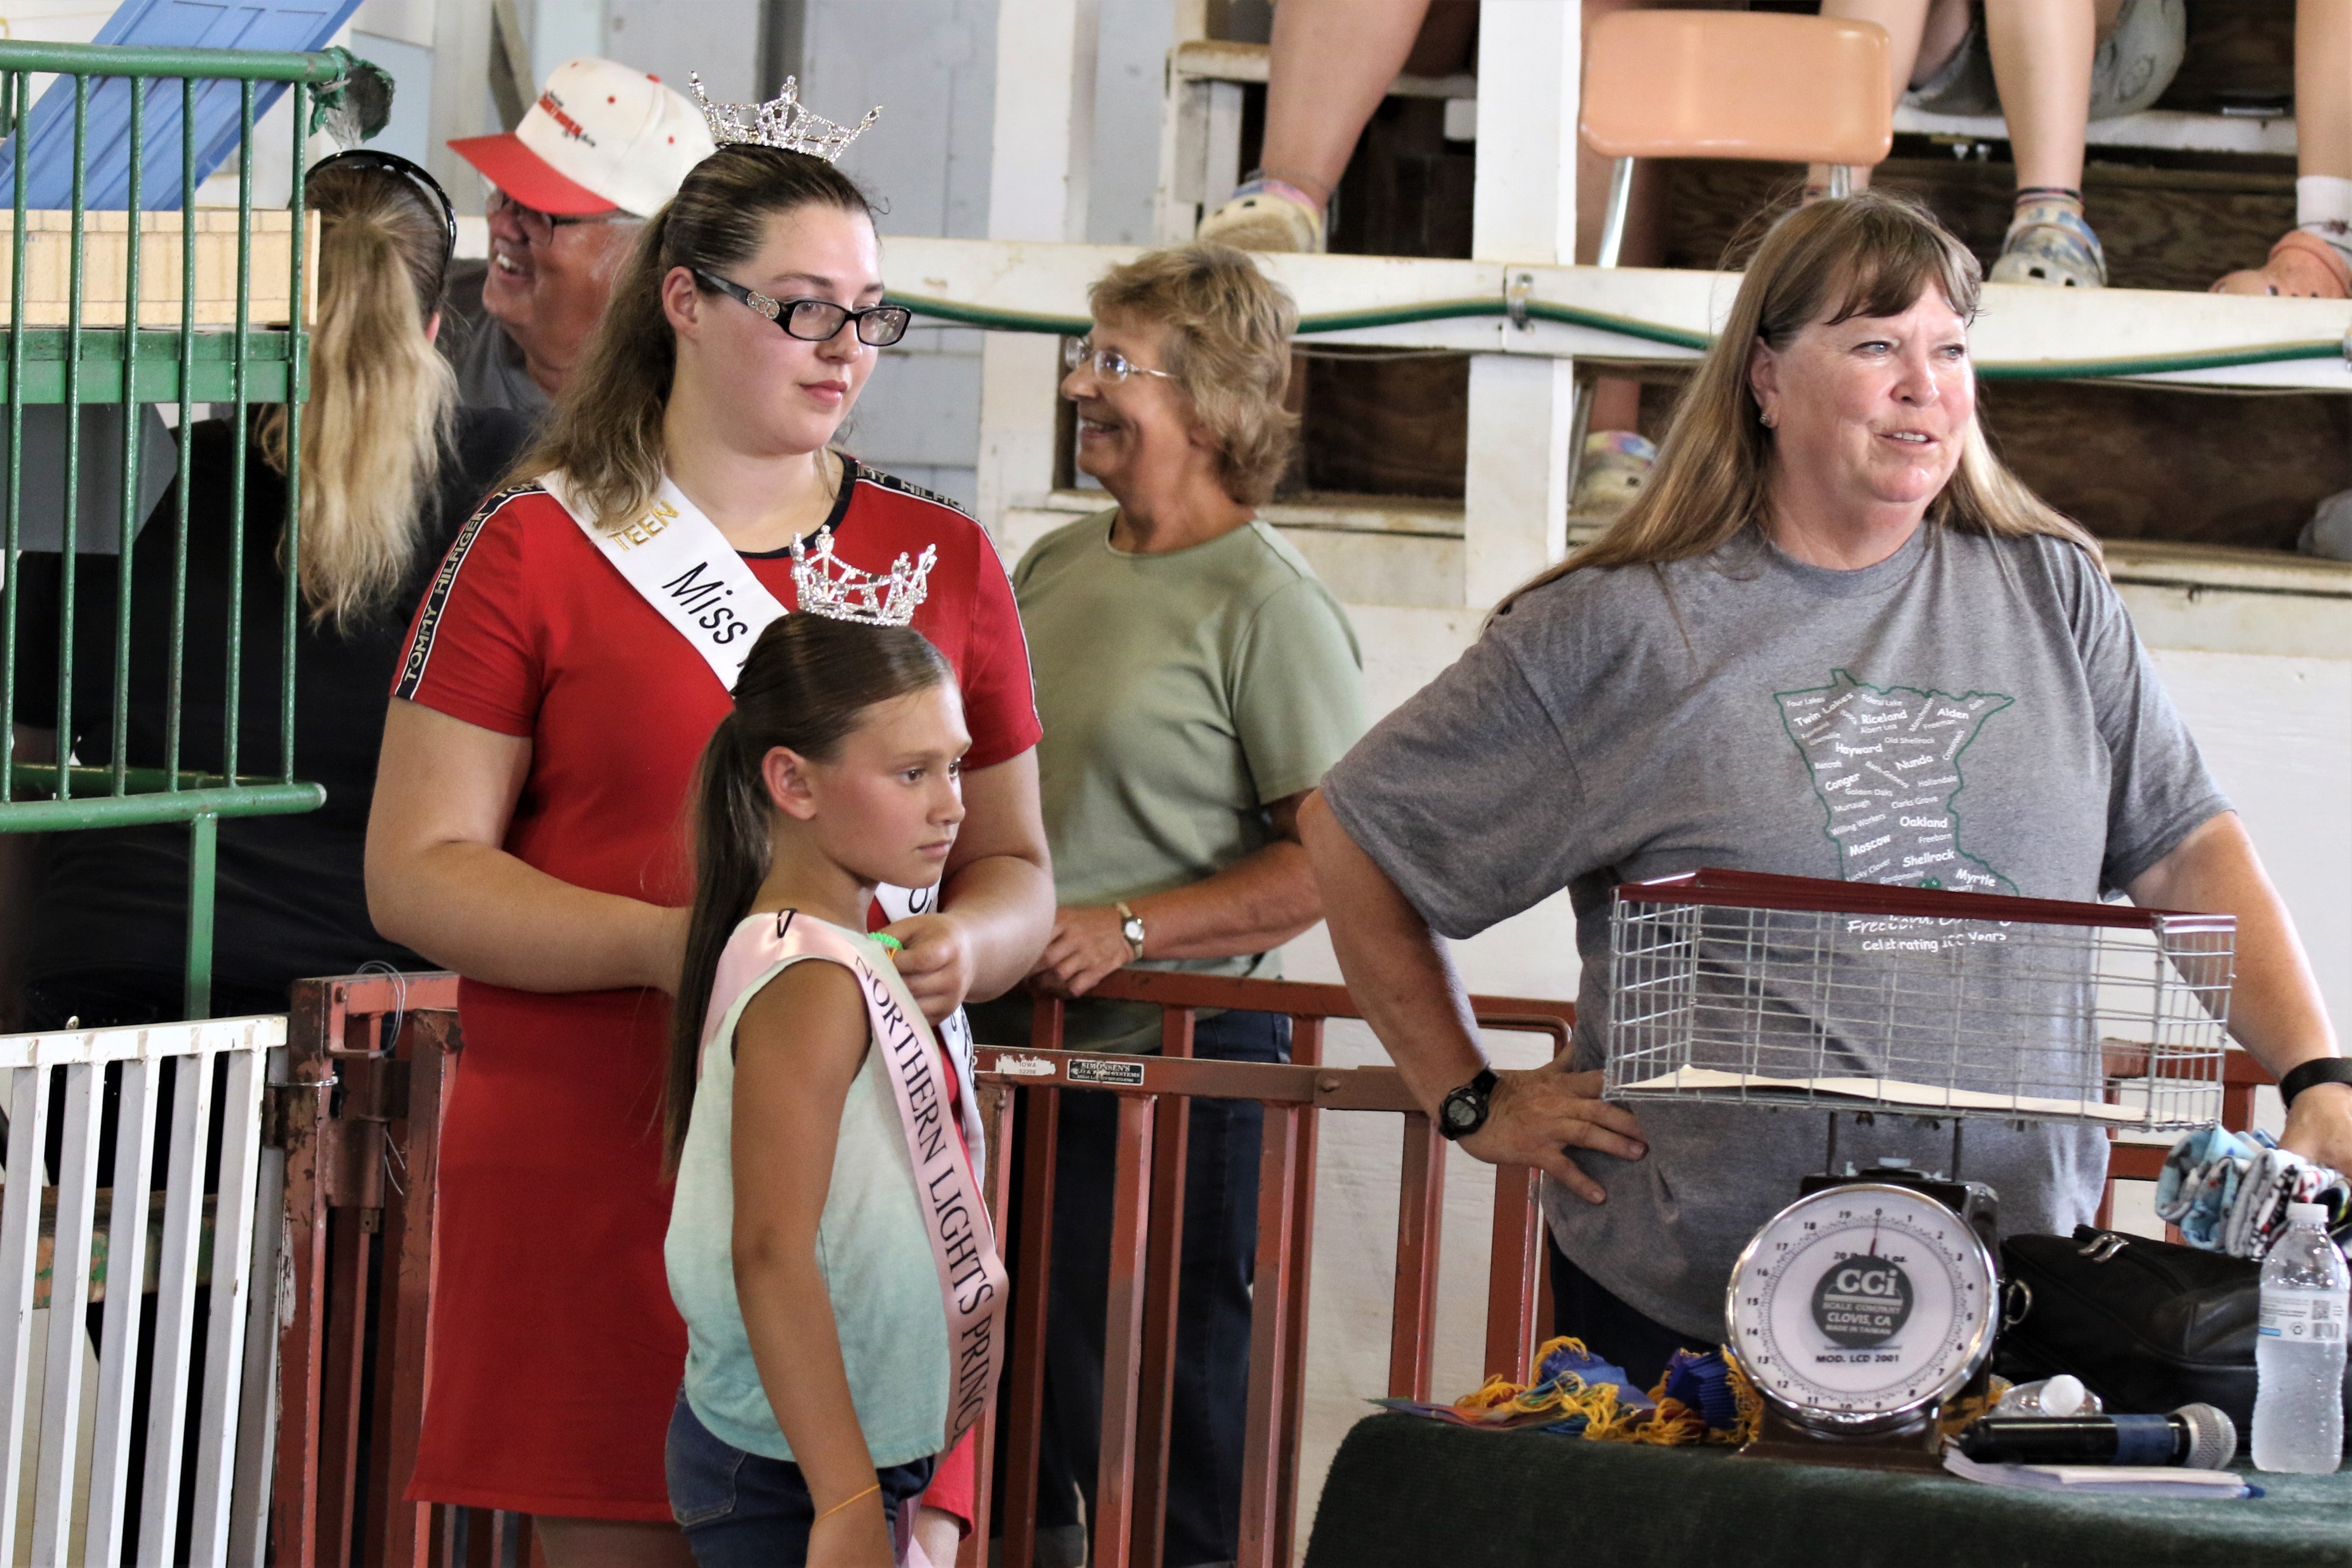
1409,1490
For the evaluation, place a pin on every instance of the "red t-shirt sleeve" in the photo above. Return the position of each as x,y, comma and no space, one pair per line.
471,652
999,700
953,1483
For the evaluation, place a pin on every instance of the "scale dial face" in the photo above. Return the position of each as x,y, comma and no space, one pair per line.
1858,1308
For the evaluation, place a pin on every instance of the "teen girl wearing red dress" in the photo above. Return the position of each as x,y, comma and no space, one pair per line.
528,827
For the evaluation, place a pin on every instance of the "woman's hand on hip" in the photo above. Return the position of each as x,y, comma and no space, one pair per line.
1087,948
936,961
1534,1117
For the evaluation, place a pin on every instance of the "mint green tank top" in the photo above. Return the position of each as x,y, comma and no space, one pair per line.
871,1247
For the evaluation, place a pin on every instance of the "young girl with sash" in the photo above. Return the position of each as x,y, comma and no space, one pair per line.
566,668
829,1248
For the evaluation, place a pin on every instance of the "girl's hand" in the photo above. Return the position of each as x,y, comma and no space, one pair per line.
936,961
857,1536
939,1535
1085,949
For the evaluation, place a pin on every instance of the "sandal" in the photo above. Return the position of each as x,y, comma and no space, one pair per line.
1265,214
2049,244
1616,465
2301,266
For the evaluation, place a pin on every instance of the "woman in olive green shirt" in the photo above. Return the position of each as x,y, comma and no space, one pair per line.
1195,680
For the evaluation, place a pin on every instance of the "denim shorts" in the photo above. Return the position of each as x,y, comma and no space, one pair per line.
741,1509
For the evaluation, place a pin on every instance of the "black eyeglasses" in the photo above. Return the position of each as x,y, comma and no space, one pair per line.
436,198
538,227
818,320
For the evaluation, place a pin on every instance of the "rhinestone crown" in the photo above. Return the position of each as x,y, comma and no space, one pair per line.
782,122
833,587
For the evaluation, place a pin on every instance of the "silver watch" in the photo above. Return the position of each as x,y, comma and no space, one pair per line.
1130,927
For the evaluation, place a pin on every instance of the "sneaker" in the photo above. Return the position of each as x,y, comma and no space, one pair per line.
1616,465
1265,214
2049,244
2301,266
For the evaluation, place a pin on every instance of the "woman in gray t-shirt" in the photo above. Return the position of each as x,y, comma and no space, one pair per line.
1827,535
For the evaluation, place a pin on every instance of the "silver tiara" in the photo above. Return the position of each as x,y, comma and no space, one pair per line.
782,122
839,591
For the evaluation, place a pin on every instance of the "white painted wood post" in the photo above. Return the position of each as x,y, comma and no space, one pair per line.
232,1287
20,1242
1515,493
175,1303
1184,133
126,1275
461,66
61,1388
1039,174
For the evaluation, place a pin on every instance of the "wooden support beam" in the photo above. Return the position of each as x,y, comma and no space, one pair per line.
1514,489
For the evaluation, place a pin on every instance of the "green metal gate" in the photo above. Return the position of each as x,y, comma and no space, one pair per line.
91,360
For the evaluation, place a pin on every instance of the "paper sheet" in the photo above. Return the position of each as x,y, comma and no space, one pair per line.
1885,1091
2103,1480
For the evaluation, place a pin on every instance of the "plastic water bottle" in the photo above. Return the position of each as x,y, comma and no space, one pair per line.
2299,1352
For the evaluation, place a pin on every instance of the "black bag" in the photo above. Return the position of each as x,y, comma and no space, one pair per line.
2149,1326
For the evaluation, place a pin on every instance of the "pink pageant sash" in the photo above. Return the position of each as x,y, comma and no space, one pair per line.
964,1242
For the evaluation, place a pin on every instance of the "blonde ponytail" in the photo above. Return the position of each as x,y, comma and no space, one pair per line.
383,404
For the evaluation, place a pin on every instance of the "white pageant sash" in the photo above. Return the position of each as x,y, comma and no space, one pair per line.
679,561
947,1190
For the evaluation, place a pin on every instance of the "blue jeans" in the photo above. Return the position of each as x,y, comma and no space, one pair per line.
1583,1307
741,1509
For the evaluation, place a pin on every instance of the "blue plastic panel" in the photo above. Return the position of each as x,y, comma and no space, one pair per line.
292,25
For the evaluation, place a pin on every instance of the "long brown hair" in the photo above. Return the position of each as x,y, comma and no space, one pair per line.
807,684
606,433
1870,254
383,402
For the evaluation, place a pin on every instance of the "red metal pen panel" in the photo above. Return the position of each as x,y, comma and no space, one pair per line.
1420,1220
1269,1337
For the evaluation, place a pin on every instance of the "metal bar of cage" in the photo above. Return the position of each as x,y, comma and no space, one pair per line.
89,362
11,591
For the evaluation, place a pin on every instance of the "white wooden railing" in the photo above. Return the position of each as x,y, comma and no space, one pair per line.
95,1236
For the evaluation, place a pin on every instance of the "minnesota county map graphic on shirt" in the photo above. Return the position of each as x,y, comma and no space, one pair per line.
1886,763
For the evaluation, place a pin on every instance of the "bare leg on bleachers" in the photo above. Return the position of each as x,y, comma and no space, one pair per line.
2315,259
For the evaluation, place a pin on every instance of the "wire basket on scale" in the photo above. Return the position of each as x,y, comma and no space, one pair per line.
1736,987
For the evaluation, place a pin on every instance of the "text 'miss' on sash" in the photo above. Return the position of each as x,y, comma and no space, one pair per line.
680,564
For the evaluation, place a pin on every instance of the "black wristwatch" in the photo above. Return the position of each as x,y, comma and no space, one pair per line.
2320,1069
1464,1112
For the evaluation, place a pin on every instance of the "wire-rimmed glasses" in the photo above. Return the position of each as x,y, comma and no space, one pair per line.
1107,364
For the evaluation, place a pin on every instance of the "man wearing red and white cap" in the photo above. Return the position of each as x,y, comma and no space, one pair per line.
600,151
